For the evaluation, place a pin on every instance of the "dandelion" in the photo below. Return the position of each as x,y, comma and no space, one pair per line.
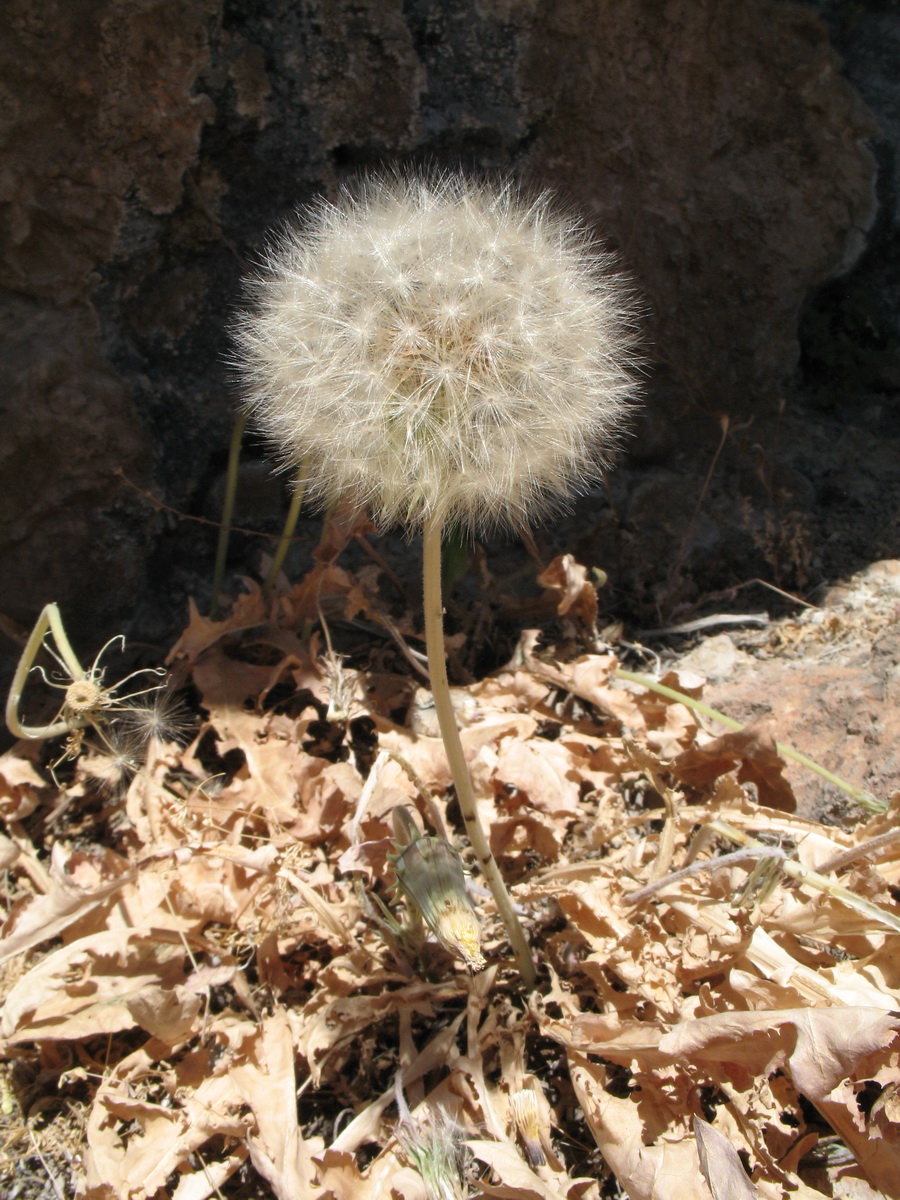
447,353
436,348
163,718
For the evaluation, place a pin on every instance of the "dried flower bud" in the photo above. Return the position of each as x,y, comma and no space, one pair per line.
430,876
436,347
524,1108
433,1143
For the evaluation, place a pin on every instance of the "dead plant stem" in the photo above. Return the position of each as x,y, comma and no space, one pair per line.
50,620
234,455
675,572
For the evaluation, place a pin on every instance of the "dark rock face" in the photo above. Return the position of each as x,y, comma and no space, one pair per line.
98,117
148,146
722,147
851,326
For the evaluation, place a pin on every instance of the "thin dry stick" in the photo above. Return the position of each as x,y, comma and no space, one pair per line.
435,816
413,657
161,506
675,571
863,850
53,1180
465,793
711,864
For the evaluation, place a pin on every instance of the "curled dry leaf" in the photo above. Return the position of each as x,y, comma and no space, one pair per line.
577,595
103,983
247,611
263,1075
543,774
663,1165
752,750
20,784
49,915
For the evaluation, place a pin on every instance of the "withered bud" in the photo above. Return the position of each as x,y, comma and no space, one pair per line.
430,877
524,1108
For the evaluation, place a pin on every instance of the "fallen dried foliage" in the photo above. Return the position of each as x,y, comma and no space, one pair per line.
201,998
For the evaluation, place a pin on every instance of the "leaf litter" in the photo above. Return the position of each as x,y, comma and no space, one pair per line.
213,985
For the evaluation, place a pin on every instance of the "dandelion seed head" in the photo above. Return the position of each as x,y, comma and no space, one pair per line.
434,1143
436,347
161,718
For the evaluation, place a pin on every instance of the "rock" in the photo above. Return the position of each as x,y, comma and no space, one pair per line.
716,657
148,147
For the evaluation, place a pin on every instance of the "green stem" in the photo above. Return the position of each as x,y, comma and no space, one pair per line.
290,524
49,619
234,456
810,878
860,795
459,771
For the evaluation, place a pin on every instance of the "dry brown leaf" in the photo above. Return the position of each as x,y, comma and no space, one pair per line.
752,750
263,1074
577,596
342,1179
47,916
518,1180
432,1057
524,836
341,1019
590,678
820,1047
101,984
202,1184
722,1168
510,689
648,1147
327,588
543,773
9,852
20,784
133,1146
844,984
367,858
247,611
227,684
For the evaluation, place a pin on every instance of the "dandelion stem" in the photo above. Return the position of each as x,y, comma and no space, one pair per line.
465,793
287,532
234,455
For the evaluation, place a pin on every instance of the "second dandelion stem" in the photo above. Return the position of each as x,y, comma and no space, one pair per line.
465,793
